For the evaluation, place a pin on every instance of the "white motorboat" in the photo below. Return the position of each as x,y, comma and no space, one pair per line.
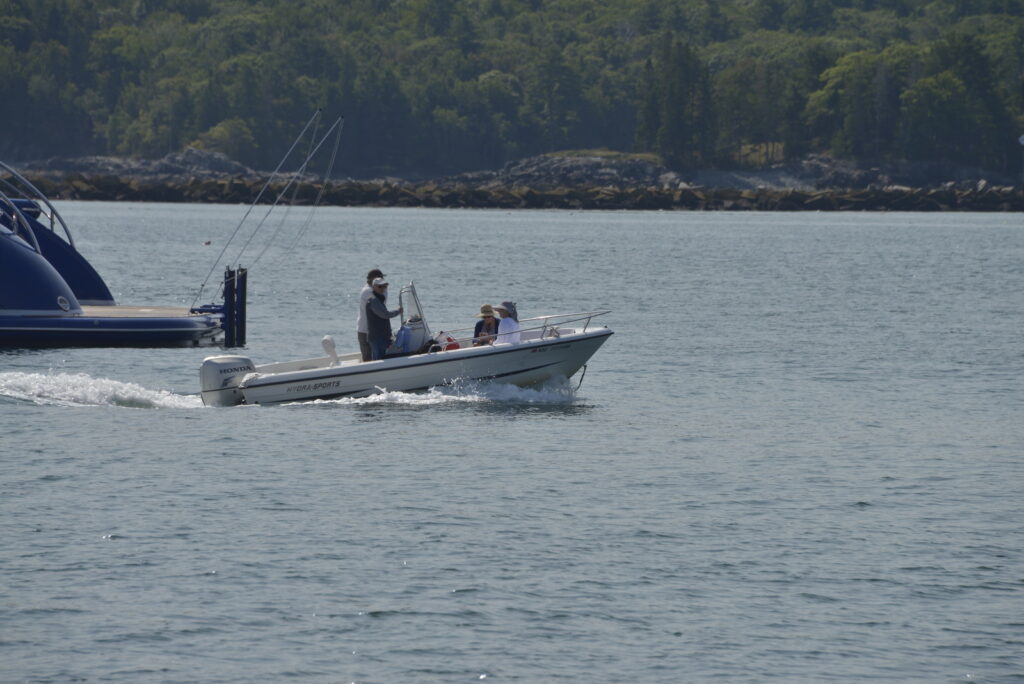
549,347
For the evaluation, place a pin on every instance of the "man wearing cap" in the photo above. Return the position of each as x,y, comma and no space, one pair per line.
508,328
364,299
378,319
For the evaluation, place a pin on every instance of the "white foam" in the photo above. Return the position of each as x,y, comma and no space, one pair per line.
79,389
553,392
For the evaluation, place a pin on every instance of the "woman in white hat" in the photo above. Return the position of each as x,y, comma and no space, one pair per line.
508,328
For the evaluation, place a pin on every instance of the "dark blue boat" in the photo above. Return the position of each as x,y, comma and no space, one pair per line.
51,296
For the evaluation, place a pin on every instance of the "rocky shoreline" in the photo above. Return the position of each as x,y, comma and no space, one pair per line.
559,181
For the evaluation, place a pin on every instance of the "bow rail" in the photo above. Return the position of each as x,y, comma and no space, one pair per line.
22,188
548,325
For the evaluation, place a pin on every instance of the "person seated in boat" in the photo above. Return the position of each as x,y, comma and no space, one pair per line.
508,328
486,328
364,298
378,319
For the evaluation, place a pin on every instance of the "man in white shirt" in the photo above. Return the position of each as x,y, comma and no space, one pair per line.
508,328
364,298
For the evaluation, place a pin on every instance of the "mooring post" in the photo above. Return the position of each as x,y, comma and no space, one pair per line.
230,313
242,276
235,288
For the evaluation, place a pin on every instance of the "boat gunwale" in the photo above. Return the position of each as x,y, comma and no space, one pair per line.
425,359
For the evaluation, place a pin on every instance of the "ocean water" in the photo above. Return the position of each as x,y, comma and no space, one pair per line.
799,459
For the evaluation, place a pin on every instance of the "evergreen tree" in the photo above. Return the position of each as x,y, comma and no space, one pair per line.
430,86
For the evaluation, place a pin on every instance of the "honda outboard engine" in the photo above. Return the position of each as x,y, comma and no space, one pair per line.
219,377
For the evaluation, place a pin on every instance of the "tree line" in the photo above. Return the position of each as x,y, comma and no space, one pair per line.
435,86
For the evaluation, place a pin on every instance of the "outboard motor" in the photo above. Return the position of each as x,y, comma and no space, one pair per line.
219,377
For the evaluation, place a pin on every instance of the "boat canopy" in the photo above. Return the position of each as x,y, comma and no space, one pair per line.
29,214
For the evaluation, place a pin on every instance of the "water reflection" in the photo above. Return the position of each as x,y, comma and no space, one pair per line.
522,410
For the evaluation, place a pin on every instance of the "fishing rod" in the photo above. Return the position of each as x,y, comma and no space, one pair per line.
284,190
291,202
316,203
315,117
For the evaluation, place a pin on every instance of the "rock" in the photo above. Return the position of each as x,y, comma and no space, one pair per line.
599,168
204,162
597,180
177,166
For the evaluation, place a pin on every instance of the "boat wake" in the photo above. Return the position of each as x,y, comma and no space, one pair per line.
553,392
79,389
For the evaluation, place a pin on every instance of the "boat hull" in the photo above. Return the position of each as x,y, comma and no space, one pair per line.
107,331
524,364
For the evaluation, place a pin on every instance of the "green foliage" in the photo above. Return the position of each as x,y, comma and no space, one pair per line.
231,137
432,86
936,101
938,119
858,106
676,106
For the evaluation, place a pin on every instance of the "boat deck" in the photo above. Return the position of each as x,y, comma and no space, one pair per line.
136,312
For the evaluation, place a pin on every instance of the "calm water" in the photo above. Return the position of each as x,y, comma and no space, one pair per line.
800,458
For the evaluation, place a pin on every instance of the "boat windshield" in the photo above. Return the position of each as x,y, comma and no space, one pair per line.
412,313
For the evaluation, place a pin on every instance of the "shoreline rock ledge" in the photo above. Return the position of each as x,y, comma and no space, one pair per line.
553,181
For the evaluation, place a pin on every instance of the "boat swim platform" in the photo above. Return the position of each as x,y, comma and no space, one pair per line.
120,311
